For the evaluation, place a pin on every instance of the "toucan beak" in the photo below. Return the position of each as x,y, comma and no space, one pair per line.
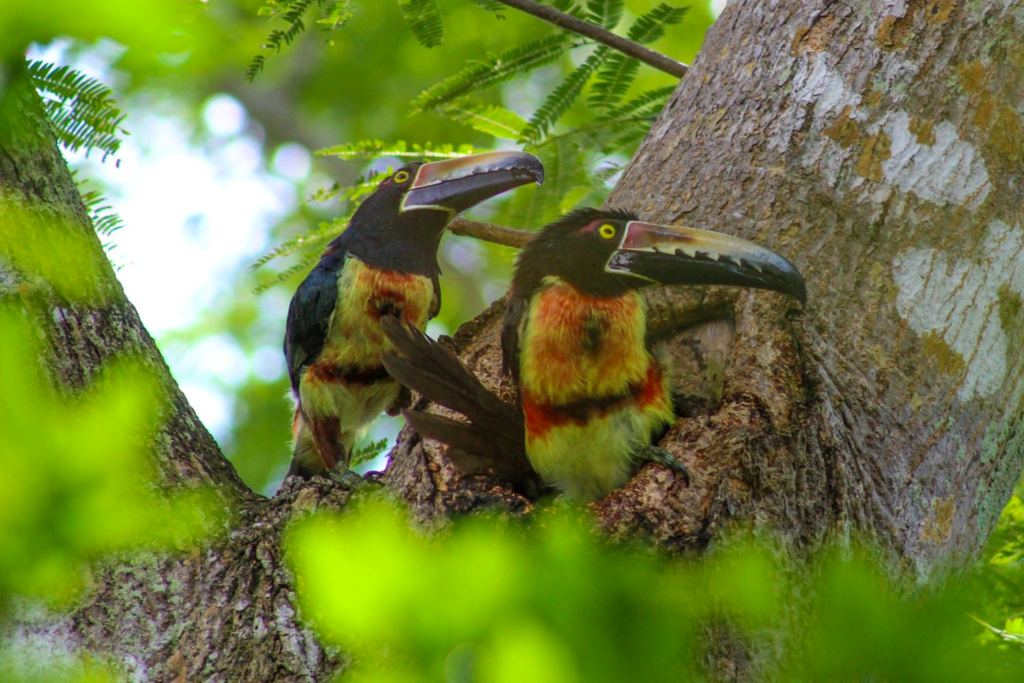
455,185
674,255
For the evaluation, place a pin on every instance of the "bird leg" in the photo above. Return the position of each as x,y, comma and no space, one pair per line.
662,457
353,481
327,438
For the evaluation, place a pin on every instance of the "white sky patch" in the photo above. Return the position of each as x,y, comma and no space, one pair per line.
194,217
958,300
717,7
293,161
949,171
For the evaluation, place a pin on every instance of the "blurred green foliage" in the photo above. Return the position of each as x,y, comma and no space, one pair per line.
76,473
493,599
77,483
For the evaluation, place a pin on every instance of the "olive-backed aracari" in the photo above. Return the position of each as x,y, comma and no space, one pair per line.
591,394
383,264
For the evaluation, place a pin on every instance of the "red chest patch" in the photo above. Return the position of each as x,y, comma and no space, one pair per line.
541,418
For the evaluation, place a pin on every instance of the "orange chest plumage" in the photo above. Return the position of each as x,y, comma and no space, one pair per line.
354,339
577,346
584,356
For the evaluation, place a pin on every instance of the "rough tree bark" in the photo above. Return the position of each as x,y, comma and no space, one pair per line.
877,144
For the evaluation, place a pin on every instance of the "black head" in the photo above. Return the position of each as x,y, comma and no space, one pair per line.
400,225
607,253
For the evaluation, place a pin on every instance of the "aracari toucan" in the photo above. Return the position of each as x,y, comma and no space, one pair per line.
591,394
384,264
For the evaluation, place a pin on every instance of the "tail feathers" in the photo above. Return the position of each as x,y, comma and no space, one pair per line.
470,449
494,437
431,369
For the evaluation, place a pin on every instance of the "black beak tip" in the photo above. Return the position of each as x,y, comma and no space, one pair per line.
799,291
530,169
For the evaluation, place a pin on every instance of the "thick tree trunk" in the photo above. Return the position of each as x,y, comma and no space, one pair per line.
876,144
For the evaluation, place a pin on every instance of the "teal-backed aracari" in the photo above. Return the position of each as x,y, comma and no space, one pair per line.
384,264
591,394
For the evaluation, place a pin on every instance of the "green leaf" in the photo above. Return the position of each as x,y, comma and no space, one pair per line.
368,452
286,274
607,13
492,6
559,101
497,69
424,20
83,110
647,103
570,7
651,26
613,81
378,148
325,232
334,14
486,118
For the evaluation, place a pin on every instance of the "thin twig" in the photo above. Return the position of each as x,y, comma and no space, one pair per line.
601,35
488,232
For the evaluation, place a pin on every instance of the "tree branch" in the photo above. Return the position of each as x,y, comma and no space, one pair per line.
601,35
488,232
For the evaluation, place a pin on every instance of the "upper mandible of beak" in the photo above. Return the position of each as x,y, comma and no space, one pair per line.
455,185
674,255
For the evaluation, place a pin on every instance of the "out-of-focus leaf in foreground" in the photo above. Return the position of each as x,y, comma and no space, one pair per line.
75,475
493,600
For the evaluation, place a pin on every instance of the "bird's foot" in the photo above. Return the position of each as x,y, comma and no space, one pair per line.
663,457
353,481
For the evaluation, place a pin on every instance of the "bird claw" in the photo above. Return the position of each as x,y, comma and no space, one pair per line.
353,481
666,459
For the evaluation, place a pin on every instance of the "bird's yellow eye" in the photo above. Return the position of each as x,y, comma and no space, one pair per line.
606,231
401,176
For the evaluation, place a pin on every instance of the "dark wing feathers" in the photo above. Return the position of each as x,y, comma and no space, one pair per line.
493,438
435,306
309,319
471,450
510,327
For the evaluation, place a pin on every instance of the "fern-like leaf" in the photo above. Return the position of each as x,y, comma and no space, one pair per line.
486,118
559,101
607,13
651,26
83,110
424,20
333,14
286,274
570,7
325,232
368,149
492,6
613,81
497,69
368,452
647,103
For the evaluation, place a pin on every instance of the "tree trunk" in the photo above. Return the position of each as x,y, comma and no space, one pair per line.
876,144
